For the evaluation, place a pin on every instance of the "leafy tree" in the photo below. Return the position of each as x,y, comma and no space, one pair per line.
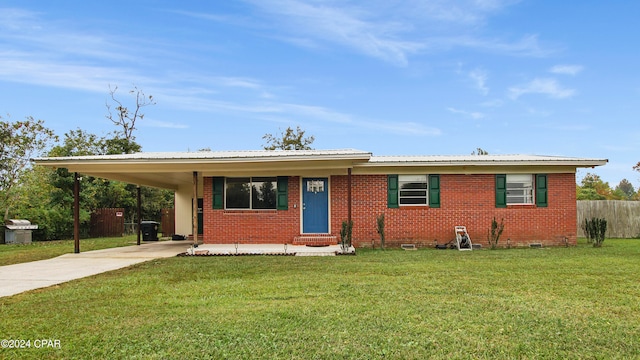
79,143
19,142
288,140
593,188
154,200
625,190
53,215
61,200
32,200
97,193
480,151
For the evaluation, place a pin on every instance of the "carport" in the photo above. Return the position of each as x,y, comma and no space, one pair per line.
183,172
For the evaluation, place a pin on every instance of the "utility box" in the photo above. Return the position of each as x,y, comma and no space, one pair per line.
18,231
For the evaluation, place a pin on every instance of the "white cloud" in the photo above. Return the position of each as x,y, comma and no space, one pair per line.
564,127
480,78
163,124
41,52
527,46
567,69
23,68
472,114
349,26
544,86
29,30
495,103
226,19
403,128
239,82
13,19
391,32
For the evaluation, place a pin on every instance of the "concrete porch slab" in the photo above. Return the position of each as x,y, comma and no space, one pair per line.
265,249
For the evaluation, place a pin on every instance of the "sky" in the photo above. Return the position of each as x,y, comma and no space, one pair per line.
407,77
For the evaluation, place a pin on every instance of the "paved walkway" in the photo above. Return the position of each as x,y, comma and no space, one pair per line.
18,278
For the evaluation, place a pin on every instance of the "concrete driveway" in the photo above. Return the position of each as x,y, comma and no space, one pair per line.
18,278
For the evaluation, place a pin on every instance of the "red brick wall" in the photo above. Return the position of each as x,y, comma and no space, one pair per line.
467,200
255,227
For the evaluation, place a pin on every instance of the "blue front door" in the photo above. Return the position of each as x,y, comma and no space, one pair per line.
315,206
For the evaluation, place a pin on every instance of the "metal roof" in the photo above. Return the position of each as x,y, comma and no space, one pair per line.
171,170
483,160
241,155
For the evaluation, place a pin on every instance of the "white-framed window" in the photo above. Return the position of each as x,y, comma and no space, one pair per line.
247,193
413,190
520,189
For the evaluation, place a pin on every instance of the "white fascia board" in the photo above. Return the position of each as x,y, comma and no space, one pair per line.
205,157
481,160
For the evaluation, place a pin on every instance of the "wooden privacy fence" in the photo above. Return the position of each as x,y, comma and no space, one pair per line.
623,217
107,222
168,221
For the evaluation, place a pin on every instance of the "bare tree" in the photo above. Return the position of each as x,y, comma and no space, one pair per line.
121,116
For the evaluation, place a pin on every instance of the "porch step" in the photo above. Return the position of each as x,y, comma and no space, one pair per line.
317,253
315,240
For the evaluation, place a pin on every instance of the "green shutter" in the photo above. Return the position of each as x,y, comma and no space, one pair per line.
283,193
541,190
501,190
434,191
392,191
218,193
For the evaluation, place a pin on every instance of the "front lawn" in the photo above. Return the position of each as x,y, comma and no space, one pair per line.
40,250
573,303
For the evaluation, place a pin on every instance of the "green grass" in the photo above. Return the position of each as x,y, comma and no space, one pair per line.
40,250
573,303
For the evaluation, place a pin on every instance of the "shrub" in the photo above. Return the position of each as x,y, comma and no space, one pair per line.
380,229
594,230
345,234
587,231
493,235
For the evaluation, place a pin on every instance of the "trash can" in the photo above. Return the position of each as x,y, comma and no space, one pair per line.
149,230
18,231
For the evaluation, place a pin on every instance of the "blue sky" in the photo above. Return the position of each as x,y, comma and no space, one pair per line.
390,77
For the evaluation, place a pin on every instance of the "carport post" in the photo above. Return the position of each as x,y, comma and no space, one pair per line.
139,214
195,208
349,195
76,213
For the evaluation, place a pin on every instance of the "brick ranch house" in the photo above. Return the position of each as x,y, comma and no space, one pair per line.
304,196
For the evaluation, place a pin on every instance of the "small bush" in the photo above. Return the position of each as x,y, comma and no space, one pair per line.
380,229
594,230
345,234
493,235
